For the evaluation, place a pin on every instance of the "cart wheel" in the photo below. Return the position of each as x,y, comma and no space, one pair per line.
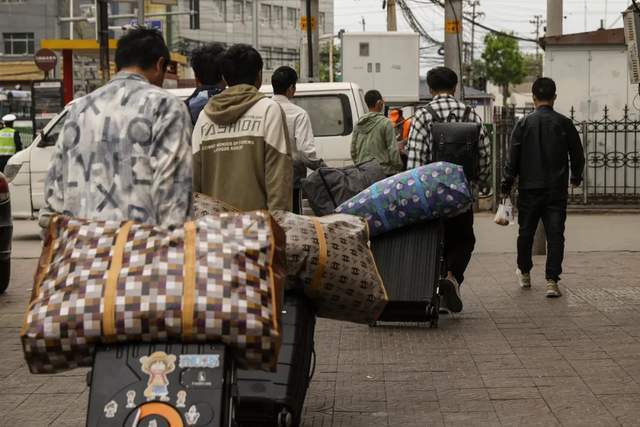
285,419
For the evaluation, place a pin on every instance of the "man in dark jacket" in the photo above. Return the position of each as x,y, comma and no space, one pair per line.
205,62
541,146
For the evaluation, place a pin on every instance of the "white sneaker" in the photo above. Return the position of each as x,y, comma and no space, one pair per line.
524,279
553,291
450,292
443,309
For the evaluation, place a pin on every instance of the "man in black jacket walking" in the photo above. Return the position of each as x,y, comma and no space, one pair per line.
542,144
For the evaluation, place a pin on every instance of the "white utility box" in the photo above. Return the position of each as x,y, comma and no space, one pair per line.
388,62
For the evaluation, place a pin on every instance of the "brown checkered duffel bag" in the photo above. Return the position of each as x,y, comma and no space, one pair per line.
219,278
332,258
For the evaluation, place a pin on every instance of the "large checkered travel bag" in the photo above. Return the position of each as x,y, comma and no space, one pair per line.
218,279
330,257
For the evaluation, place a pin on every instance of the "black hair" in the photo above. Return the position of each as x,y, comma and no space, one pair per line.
205,61
241,63
442,79
544,89
141,47
372,97
282,79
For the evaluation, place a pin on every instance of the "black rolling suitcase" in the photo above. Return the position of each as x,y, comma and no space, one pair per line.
276,399
410,262
162,385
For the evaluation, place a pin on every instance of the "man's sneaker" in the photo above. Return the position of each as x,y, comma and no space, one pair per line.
524,279
450,292
443,309
553,291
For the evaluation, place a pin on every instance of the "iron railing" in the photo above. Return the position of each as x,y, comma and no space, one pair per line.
612,151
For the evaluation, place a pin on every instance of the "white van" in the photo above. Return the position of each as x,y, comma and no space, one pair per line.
334,109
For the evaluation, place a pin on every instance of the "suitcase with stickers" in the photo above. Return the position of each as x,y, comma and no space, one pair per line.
276,399
161,385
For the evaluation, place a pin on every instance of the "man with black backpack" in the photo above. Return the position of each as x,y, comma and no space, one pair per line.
448,130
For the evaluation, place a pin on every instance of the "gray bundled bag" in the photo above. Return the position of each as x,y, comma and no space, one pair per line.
328,188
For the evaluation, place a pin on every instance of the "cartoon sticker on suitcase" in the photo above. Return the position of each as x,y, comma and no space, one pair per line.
158,366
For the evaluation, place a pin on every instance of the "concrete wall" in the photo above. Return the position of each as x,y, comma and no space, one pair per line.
590,78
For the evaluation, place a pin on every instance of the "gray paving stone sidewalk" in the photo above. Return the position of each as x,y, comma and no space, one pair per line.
511,358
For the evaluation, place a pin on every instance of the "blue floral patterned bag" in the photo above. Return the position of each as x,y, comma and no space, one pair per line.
437,190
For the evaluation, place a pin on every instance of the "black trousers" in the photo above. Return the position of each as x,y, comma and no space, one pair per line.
551,208
459,242
297,201
3,162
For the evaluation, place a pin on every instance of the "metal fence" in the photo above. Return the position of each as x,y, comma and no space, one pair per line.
612,150
20,107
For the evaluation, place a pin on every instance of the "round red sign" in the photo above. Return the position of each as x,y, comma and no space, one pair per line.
45,59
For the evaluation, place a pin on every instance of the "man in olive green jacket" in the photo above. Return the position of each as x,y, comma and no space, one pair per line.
374,137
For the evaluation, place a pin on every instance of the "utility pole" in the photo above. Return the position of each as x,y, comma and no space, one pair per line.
103,38
555,17
453,40
474,15
538,22
256,24
140,13
364,24
310,60
392,20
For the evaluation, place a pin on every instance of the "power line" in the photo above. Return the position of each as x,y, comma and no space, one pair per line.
485,27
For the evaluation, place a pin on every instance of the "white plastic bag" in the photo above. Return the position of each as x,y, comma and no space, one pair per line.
504,216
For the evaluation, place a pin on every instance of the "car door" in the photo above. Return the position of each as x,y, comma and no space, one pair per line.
332,121
40,158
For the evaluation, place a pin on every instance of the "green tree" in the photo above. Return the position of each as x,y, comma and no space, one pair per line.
504,63
324,63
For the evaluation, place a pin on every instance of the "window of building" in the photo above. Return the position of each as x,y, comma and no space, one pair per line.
278,57
330,114
364,49
292,17
219,8
277,16
237,11
267,57
322,23
12,1
265,15
18,43
292,57
248,10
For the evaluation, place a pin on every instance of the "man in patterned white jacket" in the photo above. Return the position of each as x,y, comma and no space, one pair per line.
459,236
124,152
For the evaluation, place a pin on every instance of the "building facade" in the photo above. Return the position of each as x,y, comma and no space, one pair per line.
591,71
232,21
22,24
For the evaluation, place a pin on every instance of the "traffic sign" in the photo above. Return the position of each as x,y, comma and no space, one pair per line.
45,60
153,23
303,23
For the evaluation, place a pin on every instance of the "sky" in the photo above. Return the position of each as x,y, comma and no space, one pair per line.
505,15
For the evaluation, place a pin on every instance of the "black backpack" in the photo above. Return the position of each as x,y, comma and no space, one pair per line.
456,142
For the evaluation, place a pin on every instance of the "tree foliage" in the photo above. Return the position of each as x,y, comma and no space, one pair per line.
504,63
324,63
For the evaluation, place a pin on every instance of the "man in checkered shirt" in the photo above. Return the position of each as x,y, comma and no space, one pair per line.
459,236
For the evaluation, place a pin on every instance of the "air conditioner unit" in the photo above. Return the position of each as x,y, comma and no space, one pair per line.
632,36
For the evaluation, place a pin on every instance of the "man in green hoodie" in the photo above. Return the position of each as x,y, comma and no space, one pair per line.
241,152
374,137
